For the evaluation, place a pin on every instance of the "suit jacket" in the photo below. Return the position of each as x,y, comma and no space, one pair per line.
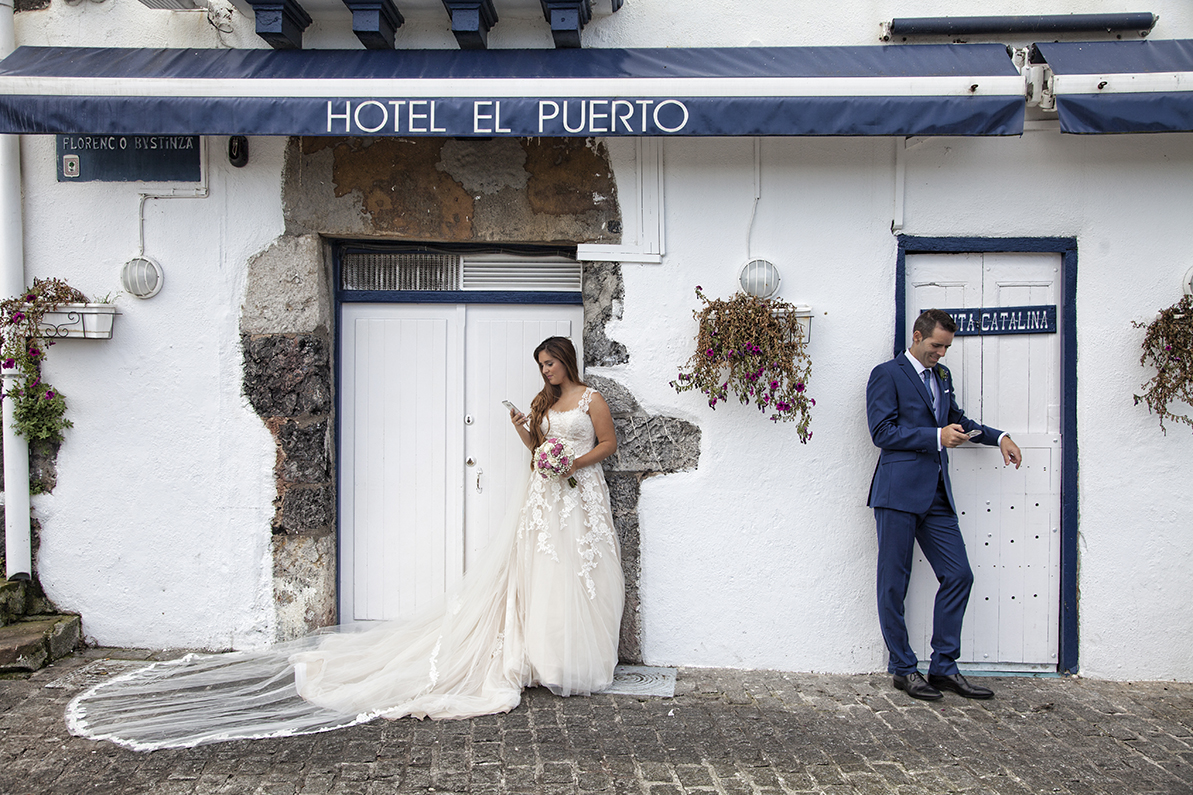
903,424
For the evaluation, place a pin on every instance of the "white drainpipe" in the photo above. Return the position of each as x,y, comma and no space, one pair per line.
18,548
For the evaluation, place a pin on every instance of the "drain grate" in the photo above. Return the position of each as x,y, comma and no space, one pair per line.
642,680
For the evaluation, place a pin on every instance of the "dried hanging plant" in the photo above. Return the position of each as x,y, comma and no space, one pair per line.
1168,346
753,348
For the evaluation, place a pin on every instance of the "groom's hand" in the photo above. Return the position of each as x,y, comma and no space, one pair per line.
953,435
1010,452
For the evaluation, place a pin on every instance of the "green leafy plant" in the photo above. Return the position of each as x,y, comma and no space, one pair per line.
753,348
1168,346
39,410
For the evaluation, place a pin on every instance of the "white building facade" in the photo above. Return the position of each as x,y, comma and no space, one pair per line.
201,498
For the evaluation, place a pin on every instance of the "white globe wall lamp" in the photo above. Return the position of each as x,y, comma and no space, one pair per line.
142,277
760,278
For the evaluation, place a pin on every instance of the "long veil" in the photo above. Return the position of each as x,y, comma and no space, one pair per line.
459,657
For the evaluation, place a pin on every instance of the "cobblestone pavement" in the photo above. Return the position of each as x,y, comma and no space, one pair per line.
729,732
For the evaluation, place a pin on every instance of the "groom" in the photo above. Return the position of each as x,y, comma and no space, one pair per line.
912,412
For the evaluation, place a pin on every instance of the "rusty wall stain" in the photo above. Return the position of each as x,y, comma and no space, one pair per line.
567,176
411,189
401,190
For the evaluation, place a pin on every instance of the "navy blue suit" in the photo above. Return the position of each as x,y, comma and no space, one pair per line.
912,499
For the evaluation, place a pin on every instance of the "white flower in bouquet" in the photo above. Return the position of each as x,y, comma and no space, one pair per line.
554,457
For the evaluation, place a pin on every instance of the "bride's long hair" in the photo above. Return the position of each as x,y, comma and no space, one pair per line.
562,351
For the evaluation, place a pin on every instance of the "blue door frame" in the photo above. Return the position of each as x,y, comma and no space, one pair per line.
1067,248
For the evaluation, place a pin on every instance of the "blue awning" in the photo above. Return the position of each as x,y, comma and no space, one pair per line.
931,89
1121,86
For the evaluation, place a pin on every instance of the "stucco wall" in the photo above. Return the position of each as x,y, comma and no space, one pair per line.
1120,196
159,527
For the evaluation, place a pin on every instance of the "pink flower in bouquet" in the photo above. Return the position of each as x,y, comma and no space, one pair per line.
554,457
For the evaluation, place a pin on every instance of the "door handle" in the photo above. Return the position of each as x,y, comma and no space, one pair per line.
479,472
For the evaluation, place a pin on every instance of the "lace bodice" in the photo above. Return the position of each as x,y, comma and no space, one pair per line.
573,425
553,496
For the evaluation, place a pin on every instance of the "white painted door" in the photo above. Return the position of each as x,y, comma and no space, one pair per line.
1010,518
500,342
421,389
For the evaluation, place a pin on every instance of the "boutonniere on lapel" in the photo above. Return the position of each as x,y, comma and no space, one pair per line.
942,373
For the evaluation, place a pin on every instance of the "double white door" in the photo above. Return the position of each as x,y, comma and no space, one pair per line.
1010,518
428,457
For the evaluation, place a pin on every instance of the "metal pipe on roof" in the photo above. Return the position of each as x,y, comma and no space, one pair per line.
1047,23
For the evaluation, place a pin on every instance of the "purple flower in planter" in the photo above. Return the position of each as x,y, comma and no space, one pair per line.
799,386
30,298
49,394
17,317
9,363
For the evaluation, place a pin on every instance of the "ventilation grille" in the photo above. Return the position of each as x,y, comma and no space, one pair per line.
400,271
522,274
432,271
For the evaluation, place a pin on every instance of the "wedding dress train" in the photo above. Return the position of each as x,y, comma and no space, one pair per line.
543,608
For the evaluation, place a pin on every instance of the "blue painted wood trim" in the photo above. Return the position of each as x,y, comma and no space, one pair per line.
1067,248
1068,488
375,22
280,22
337,375
567,19
471,22
458,297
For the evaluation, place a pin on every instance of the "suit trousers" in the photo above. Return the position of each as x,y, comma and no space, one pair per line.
940,540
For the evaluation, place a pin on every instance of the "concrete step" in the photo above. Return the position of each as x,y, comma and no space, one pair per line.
34,642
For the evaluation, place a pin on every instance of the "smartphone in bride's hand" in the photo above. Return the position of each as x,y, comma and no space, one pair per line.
514,410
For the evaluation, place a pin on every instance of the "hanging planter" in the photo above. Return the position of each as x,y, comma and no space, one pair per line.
79,321
755,349
29,323
1168,346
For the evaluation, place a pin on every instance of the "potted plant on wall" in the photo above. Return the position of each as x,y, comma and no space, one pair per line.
1168,346
30,322
755,349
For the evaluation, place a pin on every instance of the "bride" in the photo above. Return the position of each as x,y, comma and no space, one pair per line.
543,608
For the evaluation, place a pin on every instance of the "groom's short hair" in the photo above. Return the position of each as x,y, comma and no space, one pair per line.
929,319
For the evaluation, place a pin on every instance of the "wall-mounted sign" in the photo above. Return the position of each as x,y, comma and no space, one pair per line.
128,158
987,320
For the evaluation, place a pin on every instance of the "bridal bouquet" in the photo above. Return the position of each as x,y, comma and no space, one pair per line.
554,457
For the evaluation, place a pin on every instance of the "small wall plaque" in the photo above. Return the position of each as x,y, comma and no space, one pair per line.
128,158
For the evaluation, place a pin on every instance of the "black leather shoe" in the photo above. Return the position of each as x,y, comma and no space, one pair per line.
959,685
915,686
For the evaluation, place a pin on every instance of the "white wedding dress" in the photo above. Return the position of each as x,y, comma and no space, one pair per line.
543,608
